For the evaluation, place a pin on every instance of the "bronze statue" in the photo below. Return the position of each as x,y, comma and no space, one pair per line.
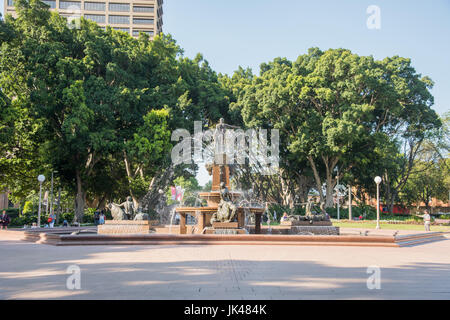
123,211
312,214
226,211
128,207
220,147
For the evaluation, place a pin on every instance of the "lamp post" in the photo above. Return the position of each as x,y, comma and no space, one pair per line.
41,179
338,196
350,216
51,196
378,181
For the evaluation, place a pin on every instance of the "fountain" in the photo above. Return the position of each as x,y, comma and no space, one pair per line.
209,219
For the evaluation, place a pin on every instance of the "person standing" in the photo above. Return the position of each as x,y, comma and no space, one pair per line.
51,220
4,220
101,218
97,217
427,220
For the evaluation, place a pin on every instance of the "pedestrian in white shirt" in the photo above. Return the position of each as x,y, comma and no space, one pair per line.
427,220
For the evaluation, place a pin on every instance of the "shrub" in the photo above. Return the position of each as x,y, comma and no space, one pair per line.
25,219
69,216
89,215
28,207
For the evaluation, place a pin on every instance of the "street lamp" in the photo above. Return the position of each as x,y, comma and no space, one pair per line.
378,181
338,195
41,179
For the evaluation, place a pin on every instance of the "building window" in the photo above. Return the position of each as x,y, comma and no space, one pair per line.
94,6
11,3
127,30
121,7
143,21
71,5
149,32
119,19
143,9
95,17
51,3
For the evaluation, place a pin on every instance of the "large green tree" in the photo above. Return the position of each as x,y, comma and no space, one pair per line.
333,107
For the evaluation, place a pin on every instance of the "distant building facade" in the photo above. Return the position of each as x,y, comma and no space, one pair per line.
131,16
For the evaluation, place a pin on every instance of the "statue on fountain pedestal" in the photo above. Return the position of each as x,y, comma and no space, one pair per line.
123,211
220,152
226,211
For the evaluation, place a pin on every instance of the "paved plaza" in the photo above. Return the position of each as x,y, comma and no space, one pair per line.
31,271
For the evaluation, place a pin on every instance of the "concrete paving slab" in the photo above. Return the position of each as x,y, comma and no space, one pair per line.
31,271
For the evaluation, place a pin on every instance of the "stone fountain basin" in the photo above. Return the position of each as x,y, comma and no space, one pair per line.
212,210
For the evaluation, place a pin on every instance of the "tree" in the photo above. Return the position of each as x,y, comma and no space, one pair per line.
96,105
333,107
144,154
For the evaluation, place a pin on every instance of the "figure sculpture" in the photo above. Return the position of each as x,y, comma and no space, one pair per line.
129,208
123,211
117,213
311,215
226,211
220,146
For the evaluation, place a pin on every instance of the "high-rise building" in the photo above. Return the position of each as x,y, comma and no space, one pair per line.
132,16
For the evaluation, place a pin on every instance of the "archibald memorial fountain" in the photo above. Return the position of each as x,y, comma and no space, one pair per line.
222,215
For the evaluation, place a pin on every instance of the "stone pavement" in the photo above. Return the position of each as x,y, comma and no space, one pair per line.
30,271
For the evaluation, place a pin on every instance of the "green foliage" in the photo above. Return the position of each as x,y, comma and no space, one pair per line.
25,219
84,97
89,215
69,216
191,188
338,109
28,207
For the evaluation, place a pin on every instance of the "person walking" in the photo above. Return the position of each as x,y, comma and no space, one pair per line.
427,220
4,220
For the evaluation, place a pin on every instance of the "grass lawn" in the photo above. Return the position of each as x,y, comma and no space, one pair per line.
373,224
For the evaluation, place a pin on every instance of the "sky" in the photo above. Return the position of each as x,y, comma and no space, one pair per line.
246,33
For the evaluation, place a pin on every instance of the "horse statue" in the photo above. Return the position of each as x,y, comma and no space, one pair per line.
117,212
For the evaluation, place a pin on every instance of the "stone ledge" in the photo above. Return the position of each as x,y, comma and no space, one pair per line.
127,222
307,223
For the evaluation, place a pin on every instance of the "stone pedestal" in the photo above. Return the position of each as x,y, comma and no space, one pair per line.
124,227
307,223
225,225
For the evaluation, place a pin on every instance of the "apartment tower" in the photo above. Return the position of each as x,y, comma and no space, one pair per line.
132,16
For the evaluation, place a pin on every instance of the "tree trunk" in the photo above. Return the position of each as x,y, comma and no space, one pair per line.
330,164
329,198
317,178
80,200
